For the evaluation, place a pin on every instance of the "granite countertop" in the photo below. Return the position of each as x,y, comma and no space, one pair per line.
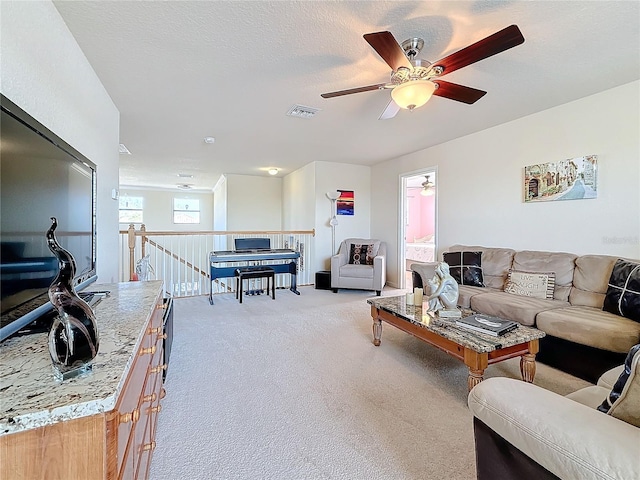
447,328
30,396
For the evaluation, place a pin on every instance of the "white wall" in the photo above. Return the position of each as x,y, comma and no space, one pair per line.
220,204
299,199
306,206
480,182
157,211
46,74
254,203
340,176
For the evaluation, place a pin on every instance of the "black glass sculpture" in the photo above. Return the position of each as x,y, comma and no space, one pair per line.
73,338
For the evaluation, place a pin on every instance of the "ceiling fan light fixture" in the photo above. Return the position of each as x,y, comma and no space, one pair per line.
413,94
428,188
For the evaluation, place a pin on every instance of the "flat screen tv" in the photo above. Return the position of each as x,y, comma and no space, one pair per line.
41,176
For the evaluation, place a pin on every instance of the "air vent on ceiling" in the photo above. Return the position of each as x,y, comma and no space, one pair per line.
302,112
185,175
122,150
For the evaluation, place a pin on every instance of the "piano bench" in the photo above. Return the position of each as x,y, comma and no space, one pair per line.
257,271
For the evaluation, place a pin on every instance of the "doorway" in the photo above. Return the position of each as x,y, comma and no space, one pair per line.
418,221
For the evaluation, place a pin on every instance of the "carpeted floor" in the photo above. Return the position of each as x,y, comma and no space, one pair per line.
295,389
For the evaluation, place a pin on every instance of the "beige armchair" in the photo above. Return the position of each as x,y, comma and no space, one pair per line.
359,264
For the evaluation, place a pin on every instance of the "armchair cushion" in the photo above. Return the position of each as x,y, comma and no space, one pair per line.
361,254
624,400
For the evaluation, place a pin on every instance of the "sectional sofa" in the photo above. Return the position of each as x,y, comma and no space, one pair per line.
582,338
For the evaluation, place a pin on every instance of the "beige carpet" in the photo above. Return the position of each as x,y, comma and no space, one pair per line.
295,389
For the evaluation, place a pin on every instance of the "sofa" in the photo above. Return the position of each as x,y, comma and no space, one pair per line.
361,264
581,338
524,431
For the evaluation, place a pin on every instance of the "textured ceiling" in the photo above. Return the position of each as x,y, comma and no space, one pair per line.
180,71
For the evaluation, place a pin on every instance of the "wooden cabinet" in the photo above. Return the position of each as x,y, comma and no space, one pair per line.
115,444
136,411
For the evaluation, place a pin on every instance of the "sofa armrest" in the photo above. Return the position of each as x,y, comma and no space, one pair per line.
567,438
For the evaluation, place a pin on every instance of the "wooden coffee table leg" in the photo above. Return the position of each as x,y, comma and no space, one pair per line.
377,331
477,363
528,367
528,362
474,378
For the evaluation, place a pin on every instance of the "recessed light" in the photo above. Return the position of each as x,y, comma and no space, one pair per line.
185,186
273,171
209,140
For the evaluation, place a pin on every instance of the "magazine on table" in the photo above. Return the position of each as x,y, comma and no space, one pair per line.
487,324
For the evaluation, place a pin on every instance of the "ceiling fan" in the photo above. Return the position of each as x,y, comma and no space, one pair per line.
414,80
428,187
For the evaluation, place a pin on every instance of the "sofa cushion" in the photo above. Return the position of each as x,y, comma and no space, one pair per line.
590,280
466,292
496,263
465,267
624,400
590,326
562,264
513,307
623,293
530,284
361,254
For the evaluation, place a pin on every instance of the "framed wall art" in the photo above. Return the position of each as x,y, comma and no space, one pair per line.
344,204
572,179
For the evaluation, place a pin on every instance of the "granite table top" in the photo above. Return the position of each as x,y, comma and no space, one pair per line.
447,328
31,397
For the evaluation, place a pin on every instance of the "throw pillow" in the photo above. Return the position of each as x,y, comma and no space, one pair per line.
530,284
361,254
623,293
465,267
624,400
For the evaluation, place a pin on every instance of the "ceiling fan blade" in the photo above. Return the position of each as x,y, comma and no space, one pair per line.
353,90
460,93
493,44
390,111
388,48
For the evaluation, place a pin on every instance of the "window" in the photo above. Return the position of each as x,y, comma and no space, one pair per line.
186,210
130,209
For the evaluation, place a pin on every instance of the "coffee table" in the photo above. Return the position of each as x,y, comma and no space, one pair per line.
476,350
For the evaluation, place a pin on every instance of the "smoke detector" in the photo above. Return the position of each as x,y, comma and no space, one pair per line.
301,111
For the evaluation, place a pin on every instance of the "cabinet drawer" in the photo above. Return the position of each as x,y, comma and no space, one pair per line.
132,416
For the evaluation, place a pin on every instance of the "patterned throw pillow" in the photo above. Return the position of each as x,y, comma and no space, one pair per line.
361,254
624,400
465,267
531,284
623,293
